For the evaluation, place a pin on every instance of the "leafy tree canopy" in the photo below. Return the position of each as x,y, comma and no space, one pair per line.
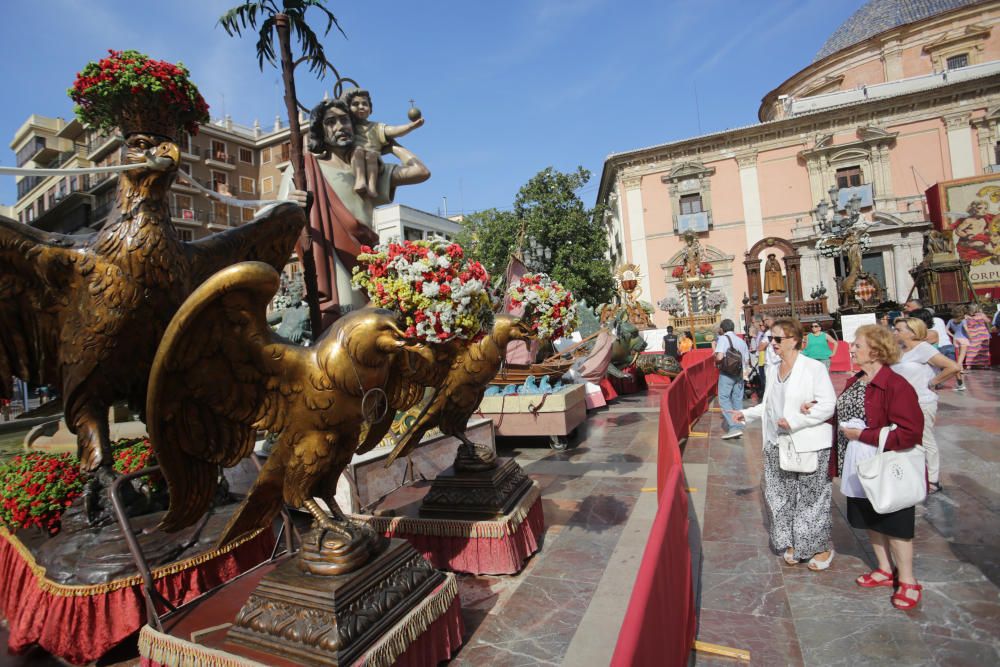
556,233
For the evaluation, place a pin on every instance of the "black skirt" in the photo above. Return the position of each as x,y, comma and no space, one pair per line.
861,514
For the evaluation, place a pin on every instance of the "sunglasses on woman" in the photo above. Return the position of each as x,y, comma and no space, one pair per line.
778,339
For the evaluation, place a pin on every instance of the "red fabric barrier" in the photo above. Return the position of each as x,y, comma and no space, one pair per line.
659,625
79,625
660,622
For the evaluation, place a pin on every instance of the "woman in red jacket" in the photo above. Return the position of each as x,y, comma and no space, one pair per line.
878,397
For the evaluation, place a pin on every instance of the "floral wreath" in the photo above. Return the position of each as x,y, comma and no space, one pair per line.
548,306
133,92
440,294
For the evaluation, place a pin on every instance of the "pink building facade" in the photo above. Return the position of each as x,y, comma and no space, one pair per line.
902,96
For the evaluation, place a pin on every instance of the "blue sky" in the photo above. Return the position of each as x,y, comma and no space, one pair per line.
507,88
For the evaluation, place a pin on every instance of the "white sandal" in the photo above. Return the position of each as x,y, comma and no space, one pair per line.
789,557
820,565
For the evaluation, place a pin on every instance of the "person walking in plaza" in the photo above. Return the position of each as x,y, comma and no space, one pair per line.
960,339
977,328
820,345
924,368
732,371
670,343
798,401
686,343
768,357
878,397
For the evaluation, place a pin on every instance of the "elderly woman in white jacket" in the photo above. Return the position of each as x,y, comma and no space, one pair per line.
798,399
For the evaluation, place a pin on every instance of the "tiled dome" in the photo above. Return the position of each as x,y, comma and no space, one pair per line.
877,16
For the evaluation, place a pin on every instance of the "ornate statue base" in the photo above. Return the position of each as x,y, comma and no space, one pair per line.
334,620
476,494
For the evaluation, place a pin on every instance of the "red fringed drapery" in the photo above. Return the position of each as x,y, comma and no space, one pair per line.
82,623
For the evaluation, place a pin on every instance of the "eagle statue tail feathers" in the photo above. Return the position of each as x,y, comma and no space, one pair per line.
200,475
262,504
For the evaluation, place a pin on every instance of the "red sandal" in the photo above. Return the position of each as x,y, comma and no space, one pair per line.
868,581
901,601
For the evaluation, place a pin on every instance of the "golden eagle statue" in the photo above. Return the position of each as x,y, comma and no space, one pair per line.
458,396
221,374
86,314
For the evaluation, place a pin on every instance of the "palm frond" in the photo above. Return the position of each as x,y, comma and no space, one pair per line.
265,43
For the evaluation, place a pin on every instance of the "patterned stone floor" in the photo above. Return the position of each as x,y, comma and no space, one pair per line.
566,607
791,616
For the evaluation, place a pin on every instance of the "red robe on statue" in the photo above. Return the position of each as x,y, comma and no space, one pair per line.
335,233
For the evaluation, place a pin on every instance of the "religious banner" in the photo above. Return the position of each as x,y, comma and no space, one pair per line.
970,209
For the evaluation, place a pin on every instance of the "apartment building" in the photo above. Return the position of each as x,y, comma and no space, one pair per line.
234,160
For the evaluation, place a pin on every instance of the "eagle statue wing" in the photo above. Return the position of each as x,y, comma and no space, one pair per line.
38,273
270,238
211,385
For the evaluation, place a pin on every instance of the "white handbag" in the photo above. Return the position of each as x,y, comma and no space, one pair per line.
791,460
896,479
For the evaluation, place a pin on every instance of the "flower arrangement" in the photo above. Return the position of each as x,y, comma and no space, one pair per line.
135,454
131,91
440,294
670,304
36,488
715,301
548,306
705,269
677,272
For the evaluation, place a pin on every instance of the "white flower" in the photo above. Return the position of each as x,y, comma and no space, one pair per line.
431,289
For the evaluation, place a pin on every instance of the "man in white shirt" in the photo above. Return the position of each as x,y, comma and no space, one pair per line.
731,385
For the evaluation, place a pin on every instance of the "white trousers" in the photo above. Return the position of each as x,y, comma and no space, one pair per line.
932,455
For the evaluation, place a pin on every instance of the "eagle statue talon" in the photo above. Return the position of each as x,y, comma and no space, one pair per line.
472,457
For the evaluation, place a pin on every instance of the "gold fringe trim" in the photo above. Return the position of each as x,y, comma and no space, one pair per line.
395,642
176,652
503,527
54,588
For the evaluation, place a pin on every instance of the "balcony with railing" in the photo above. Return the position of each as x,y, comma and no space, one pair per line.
30,150
700,221
100,145
190,215
219,159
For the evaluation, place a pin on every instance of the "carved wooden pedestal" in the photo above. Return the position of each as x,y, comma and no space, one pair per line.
476,495
333,620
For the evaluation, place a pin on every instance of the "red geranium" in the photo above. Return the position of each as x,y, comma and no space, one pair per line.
129,80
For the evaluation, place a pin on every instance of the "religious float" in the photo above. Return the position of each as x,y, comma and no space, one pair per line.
181,329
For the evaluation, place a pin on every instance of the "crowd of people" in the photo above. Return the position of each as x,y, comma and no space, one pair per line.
812,436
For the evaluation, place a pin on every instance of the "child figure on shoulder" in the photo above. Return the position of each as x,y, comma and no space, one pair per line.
371,139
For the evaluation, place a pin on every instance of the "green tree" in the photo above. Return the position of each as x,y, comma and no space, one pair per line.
555,232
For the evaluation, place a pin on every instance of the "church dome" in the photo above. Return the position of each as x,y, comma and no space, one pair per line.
877,16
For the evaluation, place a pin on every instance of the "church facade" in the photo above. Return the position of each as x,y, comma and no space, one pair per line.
904,95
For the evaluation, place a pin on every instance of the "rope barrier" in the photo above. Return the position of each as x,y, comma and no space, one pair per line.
119,168
34,171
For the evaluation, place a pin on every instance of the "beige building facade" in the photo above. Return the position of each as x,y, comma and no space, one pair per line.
236,161
903,95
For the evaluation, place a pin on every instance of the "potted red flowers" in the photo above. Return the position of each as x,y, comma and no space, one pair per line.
133,92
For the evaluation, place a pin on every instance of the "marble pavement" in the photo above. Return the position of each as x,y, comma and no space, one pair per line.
566,607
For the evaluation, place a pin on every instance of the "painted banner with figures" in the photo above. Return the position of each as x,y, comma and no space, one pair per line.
970,209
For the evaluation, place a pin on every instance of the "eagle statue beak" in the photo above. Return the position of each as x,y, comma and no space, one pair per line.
164,157
423,351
